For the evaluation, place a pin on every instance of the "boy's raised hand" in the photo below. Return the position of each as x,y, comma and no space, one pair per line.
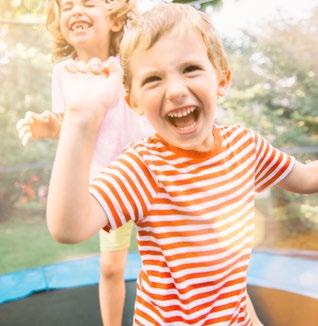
91,88
38,126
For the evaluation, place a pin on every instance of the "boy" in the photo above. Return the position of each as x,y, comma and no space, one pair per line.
189,188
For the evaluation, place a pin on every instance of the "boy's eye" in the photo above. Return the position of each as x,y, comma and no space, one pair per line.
67,6
90,3
150,79
191,68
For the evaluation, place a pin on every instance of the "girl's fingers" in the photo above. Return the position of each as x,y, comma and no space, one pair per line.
46,116
20,124
26,138
24,123
23,132
30,115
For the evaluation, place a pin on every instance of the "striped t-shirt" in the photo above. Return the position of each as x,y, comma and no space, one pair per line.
194,213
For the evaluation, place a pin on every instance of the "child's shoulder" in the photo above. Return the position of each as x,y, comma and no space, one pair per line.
229,130
238,134
144,144
59,66
149,146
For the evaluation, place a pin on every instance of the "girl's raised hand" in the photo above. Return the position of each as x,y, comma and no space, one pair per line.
38,126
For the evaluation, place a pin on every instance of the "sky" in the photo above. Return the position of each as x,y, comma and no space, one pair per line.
237,14
252,13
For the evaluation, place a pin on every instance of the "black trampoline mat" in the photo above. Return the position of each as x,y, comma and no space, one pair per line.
69,307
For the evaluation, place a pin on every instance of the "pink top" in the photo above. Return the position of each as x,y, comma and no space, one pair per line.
121,125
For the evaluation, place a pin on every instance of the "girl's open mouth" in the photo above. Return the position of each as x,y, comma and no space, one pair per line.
80,26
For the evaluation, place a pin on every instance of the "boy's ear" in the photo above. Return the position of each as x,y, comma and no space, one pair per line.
117,24
133,105
224,83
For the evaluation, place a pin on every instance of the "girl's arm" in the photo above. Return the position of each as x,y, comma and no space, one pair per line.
303,178
73,214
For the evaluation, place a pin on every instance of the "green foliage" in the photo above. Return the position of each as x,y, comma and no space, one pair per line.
275,85
11,9
201,4
275,91
25,67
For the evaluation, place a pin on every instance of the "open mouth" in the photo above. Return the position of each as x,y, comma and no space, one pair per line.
80,26
184,119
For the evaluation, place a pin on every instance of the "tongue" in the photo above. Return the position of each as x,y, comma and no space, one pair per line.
184,121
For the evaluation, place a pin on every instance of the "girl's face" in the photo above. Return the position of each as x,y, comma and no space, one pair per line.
86,25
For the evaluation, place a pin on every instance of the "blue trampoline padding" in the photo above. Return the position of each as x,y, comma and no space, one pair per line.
294,274
72,273
68,274
20,284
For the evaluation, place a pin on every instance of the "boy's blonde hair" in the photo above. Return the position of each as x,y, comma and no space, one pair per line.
144,31
118,9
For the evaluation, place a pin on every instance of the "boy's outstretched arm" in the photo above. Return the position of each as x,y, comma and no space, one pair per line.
302,179
73,214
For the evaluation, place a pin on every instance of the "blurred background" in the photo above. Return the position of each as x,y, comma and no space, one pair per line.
273,51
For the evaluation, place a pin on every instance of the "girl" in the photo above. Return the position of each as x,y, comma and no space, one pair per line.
82,30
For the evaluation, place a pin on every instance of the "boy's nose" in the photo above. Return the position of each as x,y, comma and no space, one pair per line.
176,92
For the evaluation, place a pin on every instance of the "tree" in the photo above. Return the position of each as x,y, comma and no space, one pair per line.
18,8
201,4
25,66
275,83
275,91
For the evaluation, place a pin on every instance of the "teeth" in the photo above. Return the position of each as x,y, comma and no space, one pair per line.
190,127
181,113
79,26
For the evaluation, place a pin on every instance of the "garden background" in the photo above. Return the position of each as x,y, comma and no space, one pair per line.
274,91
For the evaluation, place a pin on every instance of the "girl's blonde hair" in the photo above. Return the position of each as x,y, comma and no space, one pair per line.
144,31
118,9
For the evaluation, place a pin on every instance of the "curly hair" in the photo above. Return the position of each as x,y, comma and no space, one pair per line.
118,9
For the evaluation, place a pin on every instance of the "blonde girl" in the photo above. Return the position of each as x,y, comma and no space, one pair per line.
82,30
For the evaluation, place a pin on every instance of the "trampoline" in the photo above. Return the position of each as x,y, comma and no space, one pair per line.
283,287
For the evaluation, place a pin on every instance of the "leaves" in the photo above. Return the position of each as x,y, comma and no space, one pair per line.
18,8
275,85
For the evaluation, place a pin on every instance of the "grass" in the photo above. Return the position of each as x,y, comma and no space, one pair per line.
26,243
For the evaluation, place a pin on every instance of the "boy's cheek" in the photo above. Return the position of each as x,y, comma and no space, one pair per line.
133,105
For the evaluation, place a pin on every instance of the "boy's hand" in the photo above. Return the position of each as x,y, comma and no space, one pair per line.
91,88
38,126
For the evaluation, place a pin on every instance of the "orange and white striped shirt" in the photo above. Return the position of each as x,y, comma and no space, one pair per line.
194,213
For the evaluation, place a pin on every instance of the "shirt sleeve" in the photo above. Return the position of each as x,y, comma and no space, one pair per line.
272,165
58,102
125,190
